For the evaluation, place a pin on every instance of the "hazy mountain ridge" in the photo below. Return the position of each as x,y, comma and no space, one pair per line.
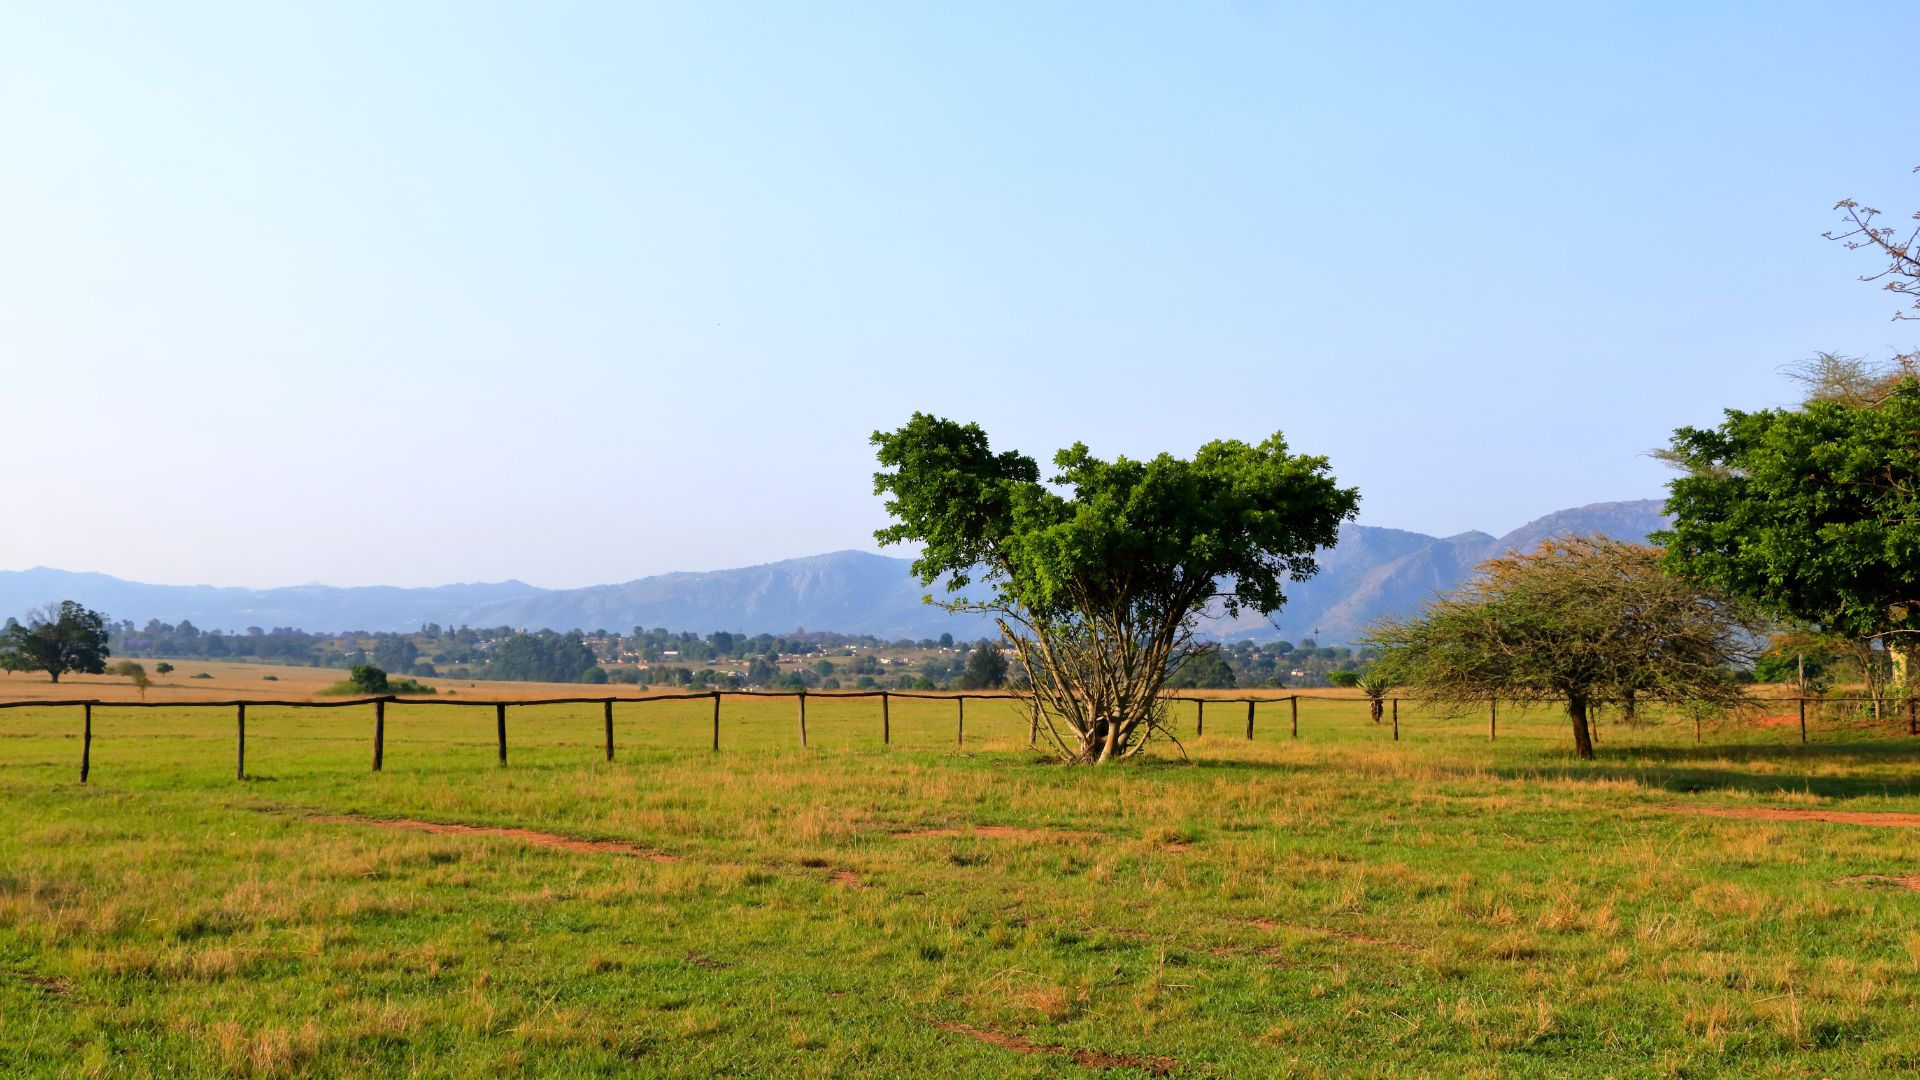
1371,572
1337,606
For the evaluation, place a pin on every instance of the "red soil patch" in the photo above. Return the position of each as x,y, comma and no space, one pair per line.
1781,813
1086,1059
529,836
49,985
997,832
1898,881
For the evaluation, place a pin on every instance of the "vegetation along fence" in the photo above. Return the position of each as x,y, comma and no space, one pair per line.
1390,706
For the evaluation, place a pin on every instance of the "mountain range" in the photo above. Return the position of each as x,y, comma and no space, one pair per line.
1370,573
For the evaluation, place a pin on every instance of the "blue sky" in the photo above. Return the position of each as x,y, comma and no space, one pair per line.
414,293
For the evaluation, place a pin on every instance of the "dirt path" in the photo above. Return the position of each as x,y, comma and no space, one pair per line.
527,836
1086,1059
1887,819
1894,881
997,832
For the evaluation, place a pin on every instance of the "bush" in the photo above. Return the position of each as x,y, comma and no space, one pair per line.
368,679
202,675
596,675
389,685
269,678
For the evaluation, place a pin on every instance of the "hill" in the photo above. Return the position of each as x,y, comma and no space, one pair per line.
1372,572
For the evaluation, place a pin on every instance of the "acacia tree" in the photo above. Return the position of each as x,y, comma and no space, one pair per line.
1097,578
1580,620
1898,245
58,639
133,671
1812,514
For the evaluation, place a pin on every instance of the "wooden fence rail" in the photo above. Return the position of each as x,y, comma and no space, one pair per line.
380,703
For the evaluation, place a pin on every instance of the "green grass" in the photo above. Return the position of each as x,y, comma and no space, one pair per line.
1335,905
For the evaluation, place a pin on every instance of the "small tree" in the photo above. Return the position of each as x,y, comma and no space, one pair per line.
986,668
163,668
133,671
1098,587
59,638
1581,620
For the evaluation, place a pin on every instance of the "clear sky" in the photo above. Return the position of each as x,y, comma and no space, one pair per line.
425,292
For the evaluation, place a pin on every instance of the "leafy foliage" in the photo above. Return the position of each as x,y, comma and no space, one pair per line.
1097,576
1812,513
1581,620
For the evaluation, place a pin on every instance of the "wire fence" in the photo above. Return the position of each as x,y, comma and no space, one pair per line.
1242,709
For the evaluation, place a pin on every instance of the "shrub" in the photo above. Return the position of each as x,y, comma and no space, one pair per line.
368,679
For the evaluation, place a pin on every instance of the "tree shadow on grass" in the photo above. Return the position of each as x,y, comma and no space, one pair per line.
1889,769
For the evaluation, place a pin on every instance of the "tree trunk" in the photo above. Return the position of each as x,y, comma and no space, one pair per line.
1582,735
55,674
1374,708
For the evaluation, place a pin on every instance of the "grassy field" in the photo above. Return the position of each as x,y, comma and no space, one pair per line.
1335,905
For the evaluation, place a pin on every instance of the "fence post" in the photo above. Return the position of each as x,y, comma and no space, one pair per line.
1200,720
500,728
1803,720
1913,722
1696,727
886,721
240,718
1293,705
1249,719
803,719
716,721
1493,719
1033,723
86,739
379,733
1396,719
960,729
608,704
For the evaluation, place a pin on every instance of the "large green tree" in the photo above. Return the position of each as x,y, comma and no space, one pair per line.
57,639
1812,513
1099,576
1580,621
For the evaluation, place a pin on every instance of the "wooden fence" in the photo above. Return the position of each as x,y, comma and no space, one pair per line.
380,703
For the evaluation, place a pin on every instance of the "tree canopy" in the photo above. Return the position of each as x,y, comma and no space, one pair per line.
1581,620
58,639
1098,575
1812,513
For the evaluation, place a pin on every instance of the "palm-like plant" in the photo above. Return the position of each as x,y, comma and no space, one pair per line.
1376,684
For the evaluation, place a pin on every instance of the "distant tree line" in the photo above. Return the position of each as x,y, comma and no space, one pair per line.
657,656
